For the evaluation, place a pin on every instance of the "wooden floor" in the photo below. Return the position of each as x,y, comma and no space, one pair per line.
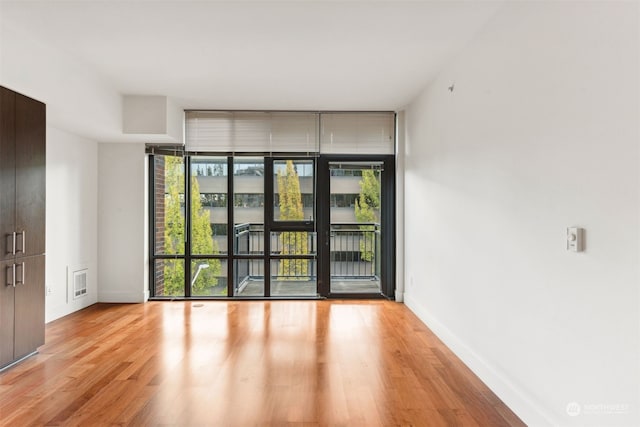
246,363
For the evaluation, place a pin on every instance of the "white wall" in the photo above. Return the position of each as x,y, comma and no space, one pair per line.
72,219
78,99
122,223
400,230
540,133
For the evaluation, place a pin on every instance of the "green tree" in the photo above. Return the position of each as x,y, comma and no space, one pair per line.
173,226
202,241
291,242
367,204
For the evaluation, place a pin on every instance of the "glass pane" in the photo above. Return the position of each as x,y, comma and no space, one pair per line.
293,243
208,205
248,187
169,278
169,200
355,227
293,188
209,277
293,277
249,280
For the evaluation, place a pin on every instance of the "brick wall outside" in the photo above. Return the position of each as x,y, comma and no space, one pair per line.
159,190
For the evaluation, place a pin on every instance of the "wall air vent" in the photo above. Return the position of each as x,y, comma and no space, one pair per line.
79,283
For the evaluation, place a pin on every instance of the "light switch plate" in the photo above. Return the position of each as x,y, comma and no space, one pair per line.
575,239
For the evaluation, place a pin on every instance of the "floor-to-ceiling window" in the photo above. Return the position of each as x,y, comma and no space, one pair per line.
288,224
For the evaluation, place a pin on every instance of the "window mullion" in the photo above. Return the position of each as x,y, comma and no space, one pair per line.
187,223
231,250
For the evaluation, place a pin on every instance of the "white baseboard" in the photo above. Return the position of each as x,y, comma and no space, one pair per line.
61,310
513,397
121,296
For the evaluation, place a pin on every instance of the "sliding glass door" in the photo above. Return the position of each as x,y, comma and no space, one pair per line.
357,226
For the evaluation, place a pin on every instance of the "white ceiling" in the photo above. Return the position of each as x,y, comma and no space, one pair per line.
313,55
276,55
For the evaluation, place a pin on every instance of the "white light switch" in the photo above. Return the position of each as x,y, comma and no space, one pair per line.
575,239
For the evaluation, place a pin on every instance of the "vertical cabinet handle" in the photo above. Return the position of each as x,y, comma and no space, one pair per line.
11,275
22,275
11,247
23,241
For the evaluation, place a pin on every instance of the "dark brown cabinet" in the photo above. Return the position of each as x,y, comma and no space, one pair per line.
7,317
7,172
22,225
21,308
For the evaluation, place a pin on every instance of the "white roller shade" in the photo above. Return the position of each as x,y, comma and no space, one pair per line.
234,131
357,133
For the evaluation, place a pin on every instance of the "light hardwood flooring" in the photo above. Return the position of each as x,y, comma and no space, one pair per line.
246,363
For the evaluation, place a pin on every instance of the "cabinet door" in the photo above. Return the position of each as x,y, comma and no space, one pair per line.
7,292
7,172
30,176
29,305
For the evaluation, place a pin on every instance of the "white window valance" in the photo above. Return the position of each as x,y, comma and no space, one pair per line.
300,132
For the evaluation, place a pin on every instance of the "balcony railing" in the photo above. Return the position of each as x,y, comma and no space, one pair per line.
355,249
